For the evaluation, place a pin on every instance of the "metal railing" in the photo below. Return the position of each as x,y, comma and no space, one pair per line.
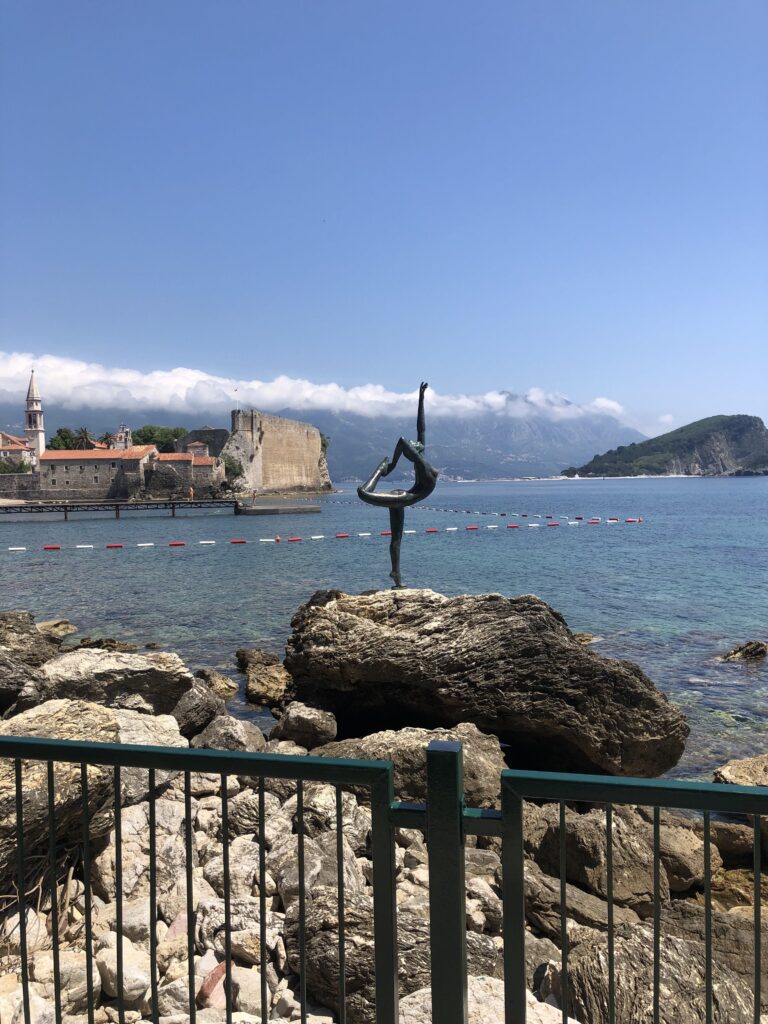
445,822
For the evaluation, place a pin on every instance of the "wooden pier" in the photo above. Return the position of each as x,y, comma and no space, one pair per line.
118,507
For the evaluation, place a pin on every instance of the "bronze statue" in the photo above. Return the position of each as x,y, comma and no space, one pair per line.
396,500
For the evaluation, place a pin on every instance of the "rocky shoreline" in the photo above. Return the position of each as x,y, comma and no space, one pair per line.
440,666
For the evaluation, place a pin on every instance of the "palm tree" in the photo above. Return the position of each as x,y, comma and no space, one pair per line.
82,439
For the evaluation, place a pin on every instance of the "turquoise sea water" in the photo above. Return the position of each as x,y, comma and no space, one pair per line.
670,593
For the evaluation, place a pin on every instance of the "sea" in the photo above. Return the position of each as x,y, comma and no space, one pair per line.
672,593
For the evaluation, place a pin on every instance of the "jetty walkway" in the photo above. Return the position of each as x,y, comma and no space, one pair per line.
118,507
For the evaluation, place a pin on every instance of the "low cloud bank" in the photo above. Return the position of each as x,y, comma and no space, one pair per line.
75,384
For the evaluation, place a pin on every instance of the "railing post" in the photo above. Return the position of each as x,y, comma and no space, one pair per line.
513,901
447,893
384,901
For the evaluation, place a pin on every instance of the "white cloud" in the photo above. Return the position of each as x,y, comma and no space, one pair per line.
76,384
667,419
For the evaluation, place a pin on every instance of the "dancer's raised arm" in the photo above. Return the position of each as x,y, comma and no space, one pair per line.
421,432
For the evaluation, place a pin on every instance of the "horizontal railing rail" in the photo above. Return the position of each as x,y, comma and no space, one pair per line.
45,834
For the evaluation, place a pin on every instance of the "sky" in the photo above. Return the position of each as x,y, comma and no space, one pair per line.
340,199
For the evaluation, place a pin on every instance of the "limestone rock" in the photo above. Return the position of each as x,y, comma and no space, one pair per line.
245,920
509,665
15,675
749,771
40,1011
57,628
136,970
198,706
222,686
407,749
542,905
59,719
485,1005
243,869
733,944
152,683
228,733
483,958
682,982
309,727
74,986
265,677
319,866
586,849
145,730
21,638
753,650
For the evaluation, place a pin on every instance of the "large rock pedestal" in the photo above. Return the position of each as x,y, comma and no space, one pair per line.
509,665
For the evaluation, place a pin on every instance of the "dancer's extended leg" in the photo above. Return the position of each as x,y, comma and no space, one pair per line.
396,523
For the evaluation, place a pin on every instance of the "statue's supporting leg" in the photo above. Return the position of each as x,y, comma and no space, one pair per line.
396,523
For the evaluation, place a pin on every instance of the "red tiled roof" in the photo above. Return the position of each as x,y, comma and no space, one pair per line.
202,460
75,455
175,457
12,437
14,446
196,444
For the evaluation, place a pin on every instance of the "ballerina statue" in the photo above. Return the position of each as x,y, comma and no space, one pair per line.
396,500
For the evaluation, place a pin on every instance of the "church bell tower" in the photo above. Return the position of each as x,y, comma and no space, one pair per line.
34,427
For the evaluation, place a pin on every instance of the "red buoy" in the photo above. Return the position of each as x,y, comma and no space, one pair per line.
342,534
52,547
114,545
294,538
431,529
513,526
472,527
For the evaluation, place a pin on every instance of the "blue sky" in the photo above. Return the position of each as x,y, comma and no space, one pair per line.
570,196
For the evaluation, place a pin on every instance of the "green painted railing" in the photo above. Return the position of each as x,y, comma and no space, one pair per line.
445,822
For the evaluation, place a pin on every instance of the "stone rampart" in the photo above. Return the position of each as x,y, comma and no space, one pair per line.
277,454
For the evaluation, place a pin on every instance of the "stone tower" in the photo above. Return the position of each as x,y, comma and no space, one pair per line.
34,428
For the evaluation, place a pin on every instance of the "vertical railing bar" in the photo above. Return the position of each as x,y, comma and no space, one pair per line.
22,891
302,904
563,923
227,910
85,800
54,893
758,924
263,904
153,897
385,945
340,891
190,895
609,873
117,785
656,915
707,920
513,904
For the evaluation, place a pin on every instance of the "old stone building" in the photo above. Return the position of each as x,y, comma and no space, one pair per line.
277,454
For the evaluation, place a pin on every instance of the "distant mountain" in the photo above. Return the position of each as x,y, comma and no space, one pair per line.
716,446
486,446
518,440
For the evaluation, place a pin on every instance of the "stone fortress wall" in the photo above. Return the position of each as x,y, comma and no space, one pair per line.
276,453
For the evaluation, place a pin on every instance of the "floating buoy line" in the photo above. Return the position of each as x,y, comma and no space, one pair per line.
470,528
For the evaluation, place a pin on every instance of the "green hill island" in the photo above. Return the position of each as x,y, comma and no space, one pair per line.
715,446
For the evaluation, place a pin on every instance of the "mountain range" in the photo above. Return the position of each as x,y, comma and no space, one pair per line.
485,445
715,446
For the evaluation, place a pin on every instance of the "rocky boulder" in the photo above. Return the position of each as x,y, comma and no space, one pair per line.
198,706
21,638
753,650
407,749
219,684
509,665
747,771
61,719
15,675
483,957
485,1004
228,733
265,677
151,683
681,983
309,727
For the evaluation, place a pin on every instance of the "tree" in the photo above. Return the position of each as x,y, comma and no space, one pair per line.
83,440
9,466
161,437
63,439
105,438
233,468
